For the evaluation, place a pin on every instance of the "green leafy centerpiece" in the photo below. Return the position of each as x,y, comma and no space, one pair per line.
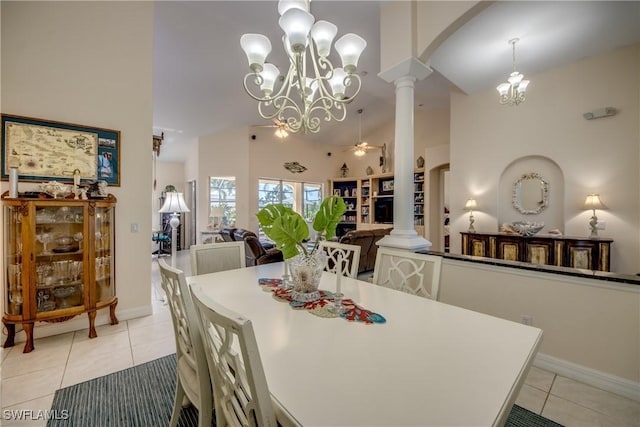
290,233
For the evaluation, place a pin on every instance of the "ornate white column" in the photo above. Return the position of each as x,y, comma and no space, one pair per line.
404,75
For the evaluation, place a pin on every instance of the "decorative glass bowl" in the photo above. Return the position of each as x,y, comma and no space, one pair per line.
526,228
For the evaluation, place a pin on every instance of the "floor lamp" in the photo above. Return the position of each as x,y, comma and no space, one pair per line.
174,203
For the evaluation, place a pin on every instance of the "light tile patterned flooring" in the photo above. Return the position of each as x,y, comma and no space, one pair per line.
30,380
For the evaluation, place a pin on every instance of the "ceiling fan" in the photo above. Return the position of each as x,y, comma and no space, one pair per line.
361,147
282,129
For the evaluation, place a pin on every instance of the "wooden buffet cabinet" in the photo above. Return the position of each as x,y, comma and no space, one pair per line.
563,251
59,257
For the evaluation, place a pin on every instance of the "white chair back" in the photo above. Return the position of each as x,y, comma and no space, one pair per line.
213,257
410,272
242,395
350,255
193,380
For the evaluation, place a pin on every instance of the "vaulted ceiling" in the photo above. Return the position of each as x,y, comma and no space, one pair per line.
199,66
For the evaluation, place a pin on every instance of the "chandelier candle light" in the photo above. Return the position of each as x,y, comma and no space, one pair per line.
174,204
312,88
513,93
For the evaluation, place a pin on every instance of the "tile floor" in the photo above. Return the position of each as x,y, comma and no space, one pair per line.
30,380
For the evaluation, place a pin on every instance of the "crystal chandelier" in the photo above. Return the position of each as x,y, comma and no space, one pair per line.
513,93
313,88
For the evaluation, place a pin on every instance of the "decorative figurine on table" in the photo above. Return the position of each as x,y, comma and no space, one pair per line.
102,188
97,189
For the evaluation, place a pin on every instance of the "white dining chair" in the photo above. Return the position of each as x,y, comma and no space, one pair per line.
410,272
350,254
192,379
235,368
213,257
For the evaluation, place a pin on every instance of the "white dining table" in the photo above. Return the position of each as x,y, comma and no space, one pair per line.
429,364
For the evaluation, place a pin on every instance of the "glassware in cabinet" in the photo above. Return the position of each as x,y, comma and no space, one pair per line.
51,249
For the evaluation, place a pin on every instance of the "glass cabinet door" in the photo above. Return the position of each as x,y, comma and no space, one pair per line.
59,257
104,245
13,297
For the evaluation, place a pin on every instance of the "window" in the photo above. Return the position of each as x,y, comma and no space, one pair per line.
302,197
222,201
311,202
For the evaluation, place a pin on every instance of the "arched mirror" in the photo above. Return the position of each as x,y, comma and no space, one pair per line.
530,194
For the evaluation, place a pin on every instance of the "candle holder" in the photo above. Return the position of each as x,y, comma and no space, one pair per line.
336,306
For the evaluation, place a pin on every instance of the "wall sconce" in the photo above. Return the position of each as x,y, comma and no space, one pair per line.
470,206
593,202
157,143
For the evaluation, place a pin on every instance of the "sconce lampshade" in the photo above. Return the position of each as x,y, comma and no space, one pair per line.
217,212
471,205
593,202
174,202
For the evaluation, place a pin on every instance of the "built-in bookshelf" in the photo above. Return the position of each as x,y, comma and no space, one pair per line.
365,201
370,201
418,198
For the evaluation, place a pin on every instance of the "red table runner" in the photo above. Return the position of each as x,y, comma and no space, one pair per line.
320,307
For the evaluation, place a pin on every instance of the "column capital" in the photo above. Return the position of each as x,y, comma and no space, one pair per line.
410,67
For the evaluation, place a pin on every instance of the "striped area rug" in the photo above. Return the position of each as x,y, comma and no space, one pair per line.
143,396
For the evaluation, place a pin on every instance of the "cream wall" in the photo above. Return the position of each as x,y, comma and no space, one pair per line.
267,156
223,154
597,156
91,63
229,152
586,323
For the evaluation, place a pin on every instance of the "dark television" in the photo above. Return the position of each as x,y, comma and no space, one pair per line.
383,210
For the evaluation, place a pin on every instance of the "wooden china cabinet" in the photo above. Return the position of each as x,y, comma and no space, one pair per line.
59,257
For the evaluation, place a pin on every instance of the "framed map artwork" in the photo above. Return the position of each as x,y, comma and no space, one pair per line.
45,150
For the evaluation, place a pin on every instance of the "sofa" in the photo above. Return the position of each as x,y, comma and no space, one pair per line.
367,240
255,252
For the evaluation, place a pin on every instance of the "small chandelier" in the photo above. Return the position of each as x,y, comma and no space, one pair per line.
359,148
513,93
313,88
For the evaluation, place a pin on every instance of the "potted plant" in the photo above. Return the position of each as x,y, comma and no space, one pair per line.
290,233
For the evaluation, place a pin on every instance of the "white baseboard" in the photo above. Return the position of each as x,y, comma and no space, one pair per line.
599,379
43,329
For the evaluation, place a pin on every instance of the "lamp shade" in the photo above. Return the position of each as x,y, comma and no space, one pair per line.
593,202
350,47
256,47
503,88
322,34
470,205
269,75
296,24
284,5
217,212
174,202
337,83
